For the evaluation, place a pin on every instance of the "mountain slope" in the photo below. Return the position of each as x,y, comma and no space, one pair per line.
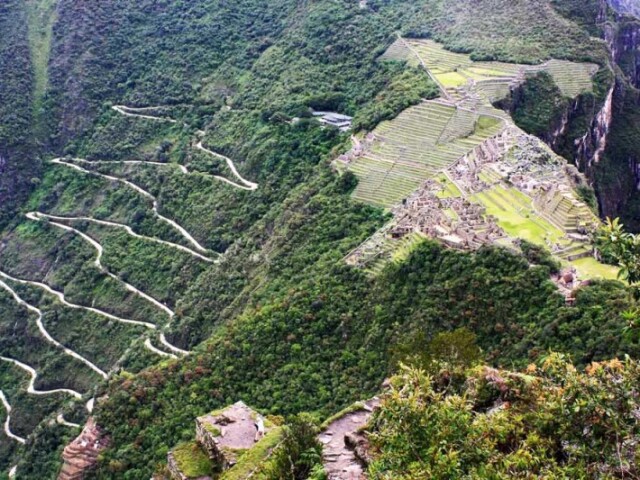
188,234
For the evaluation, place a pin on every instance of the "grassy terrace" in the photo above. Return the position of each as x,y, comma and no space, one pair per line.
572,78
420,142
426,139
516,215
455,70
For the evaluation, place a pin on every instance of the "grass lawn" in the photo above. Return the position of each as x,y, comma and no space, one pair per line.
451,80
516,223
591,268
450,188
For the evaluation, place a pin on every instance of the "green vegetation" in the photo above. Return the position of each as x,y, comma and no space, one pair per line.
297,454
41,17
255,458
623,247
20,166
549,421
537,104
192,460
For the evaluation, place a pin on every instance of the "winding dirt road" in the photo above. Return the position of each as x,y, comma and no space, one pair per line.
60,419
128,286
157,351
7,422
61,297
131,112
126,228
142,191
247,184
135,112
34,375
46,334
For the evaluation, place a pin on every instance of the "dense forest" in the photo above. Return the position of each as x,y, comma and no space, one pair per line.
272,315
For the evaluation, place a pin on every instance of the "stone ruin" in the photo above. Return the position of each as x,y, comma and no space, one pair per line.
235,428
223,435
568,283
81,455
468,228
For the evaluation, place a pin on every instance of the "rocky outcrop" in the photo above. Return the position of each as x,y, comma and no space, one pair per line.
595,132
81,456
224,433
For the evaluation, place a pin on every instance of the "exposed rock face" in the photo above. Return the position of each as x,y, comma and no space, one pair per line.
631,7
81,455
603,150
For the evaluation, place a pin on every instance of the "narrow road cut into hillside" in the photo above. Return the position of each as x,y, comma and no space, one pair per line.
34,376
7,422
98,263
61,297
138,112
124,227
142,191
46,334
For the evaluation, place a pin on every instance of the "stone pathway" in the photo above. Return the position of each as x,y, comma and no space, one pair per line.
341,462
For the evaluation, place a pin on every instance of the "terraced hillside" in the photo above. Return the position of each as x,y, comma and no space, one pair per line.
420,142
462,138
453,70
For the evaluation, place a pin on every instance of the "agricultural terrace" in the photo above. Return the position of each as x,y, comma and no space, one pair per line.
458,169
422,141
455,70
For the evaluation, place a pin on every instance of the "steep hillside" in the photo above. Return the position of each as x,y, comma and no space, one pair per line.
186,245
18,155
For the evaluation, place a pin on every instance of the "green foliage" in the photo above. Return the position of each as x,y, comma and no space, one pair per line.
457,348
538,105
624,247
18,154
192,460
281,322
299,452
538,255
548,422
408,89
513,31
